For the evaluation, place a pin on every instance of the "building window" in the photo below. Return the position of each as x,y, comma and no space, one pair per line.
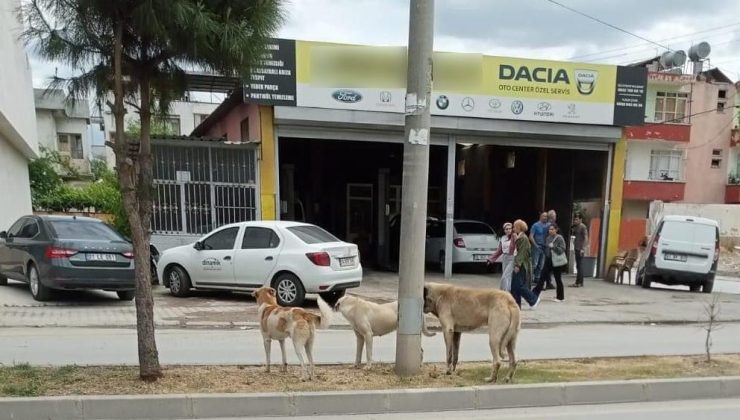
720,107
172,123
244,128
722,94
716,158
70,145
199,118
670,106
665,165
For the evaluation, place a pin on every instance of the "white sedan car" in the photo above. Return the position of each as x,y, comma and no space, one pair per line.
294,258
473,242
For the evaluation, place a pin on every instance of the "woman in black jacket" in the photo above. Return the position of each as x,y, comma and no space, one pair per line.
555,249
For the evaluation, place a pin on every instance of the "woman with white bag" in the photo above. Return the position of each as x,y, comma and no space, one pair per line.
506,250
555,260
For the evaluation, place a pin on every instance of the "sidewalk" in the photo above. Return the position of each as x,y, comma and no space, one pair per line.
597,302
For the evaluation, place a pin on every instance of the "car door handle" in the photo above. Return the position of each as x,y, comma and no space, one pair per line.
227,258
268,258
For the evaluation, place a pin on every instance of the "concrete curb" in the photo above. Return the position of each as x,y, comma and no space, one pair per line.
183,406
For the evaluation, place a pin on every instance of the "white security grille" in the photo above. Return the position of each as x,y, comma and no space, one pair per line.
199,188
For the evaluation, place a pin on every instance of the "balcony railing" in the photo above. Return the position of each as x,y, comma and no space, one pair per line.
649,190
659,131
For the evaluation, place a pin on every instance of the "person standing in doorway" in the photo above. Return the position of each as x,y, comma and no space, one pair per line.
555,260
580,245
506,250
521,278
537,238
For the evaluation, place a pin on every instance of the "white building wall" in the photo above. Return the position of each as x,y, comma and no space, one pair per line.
18,141
186,111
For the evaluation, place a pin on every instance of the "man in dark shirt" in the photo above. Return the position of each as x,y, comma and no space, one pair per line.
580,245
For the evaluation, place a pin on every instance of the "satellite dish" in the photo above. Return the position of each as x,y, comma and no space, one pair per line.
699,51
670,59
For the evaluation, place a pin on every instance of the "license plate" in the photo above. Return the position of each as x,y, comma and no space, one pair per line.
479,257
101,257
346,262
675,257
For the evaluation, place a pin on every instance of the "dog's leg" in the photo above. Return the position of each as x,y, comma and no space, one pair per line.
360,344
449,345
285,359
309,353
268,348
512,360
495,344
298,343
369,349
455,348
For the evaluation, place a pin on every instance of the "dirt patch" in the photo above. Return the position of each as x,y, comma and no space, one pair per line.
729,261
25,380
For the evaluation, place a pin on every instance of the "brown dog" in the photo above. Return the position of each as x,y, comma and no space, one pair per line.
279,323
463,309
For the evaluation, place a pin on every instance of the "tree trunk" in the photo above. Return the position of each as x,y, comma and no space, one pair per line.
149,368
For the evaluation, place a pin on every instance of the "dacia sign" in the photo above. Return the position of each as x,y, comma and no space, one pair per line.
536,74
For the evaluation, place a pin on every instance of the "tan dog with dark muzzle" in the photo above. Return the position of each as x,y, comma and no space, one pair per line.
464,309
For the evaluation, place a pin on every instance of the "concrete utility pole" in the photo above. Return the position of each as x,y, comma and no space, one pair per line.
415,184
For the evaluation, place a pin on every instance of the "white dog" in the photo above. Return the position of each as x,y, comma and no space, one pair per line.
370,319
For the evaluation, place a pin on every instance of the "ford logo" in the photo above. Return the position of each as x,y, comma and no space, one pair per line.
347,96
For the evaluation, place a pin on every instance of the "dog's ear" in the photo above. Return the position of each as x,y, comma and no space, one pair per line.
254,294
426,291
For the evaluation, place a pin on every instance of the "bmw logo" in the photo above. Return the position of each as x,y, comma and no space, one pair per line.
443,102
517,107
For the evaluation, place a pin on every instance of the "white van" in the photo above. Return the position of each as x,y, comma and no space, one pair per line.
682,250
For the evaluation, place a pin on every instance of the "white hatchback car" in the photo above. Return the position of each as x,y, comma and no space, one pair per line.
294,258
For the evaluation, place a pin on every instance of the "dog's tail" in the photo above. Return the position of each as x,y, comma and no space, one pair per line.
515,317
326,314
424,329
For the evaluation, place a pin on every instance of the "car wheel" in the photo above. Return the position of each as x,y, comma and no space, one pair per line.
695,287
290,291
332,297
707,286
39,292
645,281
179,281
155,280
126,294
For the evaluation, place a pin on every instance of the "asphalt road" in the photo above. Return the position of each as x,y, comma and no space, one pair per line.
719,409
92,346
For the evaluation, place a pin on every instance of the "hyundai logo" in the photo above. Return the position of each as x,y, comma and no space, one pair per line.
347,96
544,106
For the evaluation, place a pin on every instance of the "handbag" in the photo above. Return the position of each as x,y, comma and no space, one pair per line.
559,260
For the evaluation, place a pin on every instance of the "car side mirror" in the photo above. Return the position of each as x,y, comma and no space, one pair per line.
198,246
4,235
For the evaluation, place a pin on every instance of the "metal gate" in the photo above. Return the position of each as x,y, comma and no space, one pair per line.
198,188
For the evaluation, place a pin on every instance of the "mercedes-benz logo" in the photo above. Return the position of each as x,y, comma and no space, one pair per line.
517,107
467,103
443,102
494,103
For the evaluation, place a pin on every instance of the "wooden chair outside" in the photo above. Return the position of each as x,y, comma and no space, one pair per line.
627,265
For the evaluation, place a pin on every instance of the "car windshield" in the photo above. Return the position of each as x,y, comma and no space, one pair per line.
473,228
83,230
312,234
